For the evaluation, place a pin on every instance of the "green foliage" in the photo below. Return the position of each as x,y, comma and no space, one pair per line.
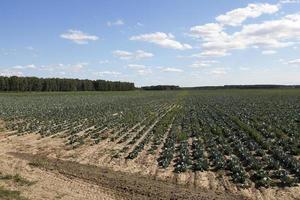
22,84
16,178
246,135
10,194
182,136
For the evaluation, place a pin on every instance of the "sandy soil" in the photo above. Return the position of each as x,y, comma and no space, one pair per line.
57,184
47,184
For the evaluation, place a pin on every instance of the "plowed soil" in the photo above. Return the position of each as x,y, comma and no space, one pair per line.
89,172
125,185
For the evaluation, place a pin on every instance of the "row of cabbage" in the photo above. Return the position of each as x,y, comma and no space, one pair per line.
253,138
80,117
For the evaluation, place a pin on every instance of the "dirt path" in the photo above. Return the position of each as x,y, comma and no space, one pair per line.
49,185
129,186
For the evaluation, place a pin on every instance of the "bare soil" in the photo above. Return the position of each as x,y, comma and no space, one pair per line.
129,186
88,172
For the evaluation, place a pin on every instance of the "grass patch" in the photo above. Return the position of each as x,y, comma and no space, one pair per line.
16,178
10,194
182,136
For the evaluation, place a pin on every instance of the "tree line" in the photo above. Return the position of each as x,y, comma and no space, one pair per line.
260,86
161,87
175,87
22,84
242,87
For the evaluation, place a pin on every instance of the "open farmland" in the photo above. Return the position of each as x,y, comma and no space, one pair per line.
206,142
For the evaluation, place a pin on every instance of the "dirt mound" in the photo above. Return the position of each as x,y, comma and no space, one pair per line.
130,186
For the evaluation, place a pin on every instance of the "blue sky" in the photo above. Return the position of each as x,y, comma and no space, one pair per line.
181,42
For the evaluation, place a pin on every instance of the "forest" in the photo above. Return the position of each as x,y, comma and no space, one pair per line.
23,84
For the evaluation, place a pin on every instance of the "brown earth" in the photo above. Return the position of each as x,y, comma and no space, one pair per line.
87,172
127,186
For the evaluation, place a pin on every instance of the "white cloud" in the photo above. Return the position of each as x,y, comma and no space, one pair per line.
140,54
78,36
268,52
218,71
9,72
30,48
136,66
65,68
139,24
162,39
31,66
137,55
237,16
270,34
124,55
170,69
144,72
50,70
274,33
289,1
77,67
203,63
118,22
211,53
208,31
103,62
108,73
140,69
215,41
295,62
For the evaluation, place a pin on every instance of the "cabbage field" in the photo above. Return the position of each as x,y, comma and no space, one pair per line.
251,135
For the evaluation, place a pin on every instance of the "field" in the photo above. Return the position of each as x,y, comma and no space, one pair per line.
186,144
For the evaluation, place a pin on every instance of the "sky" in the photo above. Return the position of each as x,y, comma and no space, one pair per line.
151,42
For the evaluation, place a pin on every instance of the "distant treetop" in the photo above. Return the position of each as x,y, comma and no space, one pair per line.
161,87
